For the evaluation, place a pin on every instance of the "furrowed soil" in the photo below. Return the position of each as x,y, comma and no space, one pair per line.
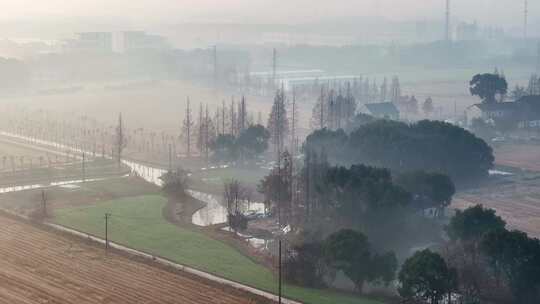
42,267
516,198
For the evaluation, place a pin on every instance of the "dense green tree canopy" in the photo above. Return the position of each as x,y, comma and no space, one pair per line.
328,142
429,190
363,192
425,276
472,223
224,148
518,258
253,141
487,86
431,146
350,251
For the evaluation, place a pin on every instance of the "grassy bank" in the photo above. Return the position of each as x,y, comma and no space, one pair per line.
138,222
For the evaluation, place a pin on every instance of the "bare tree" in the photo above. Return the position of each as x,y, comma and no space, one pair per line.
187,127
200,130
233,118
319,115
120,141
234,196
223,110
294,122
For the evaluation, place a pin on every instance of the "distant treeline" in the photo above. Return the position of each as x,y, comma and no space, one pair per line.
440,54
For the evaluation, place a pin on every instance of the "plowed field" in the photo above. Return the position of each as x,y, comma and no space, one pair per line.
37,266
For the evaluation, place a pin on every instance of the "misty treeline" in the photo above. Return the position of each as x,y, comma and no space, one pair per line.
439,54
232,133
532,88
337,104
229,133
62,69
425,145
14,75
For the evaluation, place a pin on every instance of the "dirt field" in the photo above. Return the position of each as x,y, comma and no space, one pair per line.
517,203
519,156
41,267
515,198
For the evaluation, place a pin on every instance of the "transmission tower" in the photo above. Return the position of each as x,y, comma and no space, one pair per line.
274,65
525,18
215,63
538,60
447,25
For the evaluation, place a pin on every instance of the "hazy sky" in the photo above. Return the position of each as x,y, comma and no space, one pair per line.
507,12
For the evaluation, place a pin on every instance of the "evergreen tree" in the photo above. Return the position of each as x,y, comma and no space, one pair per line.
319,113
384,90
278,124
428,107
187,128
395,90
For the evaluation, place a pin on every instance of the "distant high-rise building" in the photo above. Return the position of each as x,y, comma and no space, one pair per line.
467,31
90,42
139,40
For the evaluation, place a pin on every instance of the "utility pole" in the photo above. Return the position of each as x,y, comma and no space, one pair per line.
279,272
107,216
170,158
293,124
447,26
321,118
44,203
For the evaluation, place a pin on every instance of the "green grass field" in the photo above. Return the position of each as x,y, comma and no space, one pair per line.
138,223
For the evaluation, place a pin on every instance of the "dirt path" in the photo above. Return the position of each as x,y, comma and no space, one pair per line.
42,267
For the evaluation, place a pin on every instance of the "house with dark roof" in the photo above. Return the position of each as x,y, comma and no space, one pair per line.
385,110
524,112
529,107
498,110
